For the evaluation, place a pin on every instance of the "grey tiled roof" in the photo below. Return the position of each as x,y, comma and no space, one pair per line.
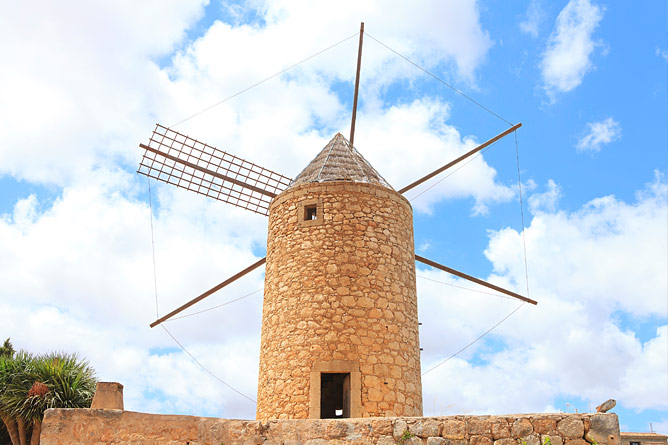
339,161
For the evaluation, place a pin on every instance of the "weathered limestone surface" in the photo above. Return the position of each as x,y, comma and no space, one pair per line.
108,395
91,426
340,291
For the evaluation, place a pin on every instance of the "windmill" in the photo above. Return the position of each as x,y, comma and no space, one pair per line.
339,320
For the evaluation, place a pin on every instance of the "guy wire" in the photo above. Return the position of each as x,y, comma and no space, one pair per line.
214,307
453,171
155,286
438,79
264,80
474,341
155,275
524,240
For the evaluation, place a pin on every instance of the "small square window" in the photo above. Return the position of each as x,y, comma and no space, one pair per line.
310,212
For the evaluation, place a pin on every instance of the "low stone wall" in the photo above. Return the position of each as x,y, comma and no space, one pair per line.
92,426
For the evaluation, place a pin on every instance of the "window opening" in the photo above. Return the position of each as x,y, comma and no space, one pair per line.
310,212
334,395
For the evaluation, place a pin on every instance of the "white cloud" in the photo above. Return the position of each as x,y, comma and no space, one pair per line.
407,141
77,89
83,91
662,53
77,275
583,266
567,57
84,86
600,133
546,201
533,18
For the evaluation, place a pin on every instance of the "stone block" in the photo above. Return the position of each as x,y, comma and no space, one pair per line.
382,427
500,429
108,395
543,425
479,427
531,439
435,441
604,429
480,440
551,438
505,441
571,428
336,429
424,428
399,427
453,429
456,442
521,428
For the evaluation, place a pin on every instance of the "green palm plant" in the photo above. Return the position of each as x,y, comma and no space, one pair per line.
13,371
34,384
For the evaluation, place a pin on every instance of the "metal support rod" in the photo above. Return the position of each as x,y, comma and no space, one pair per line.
209,292
357,85
461,158
474,279
209,172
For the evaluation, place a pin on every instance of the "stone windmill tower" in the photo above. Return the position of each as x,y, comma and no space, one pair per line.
339,323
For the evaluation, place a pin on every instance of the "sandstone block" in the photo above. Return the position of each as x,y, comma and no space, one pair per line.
543,426
480,440
336,429
456,442
108,395
531,439
386,440
521,428
571,428
551,438
400,427
454,429
603,429
479,427
500,429
425,428
435,441
505,441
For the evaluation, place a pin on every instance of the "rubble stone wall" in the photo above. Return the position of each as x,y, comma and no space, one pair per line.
88,426
340,294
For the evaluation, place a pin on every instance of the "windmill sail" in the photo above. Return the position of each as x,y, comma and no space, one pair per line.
187,163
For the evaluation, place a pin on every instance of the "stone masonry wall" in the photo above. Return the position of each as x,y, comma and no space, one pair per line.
340,297
88,426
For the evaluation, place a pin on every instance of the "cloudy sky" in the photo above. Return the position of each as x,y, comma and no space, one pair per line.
83,83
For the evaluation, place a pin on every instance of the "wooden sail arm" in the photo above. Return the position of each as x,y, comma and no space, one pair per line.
473,279
357,86
210,291
461,158
208,172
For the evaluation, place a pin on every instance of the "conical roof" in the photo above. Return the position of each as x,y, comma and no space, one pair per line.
340,161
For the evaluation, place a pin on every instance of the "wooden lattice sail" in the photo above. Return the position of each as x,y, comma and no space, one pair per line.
185,162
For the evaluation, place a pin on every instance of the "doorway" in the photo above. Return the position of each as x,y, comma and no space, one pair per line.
334,395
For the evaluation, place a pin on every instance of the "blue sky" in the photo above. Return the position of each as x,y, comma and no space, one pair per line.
83,84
